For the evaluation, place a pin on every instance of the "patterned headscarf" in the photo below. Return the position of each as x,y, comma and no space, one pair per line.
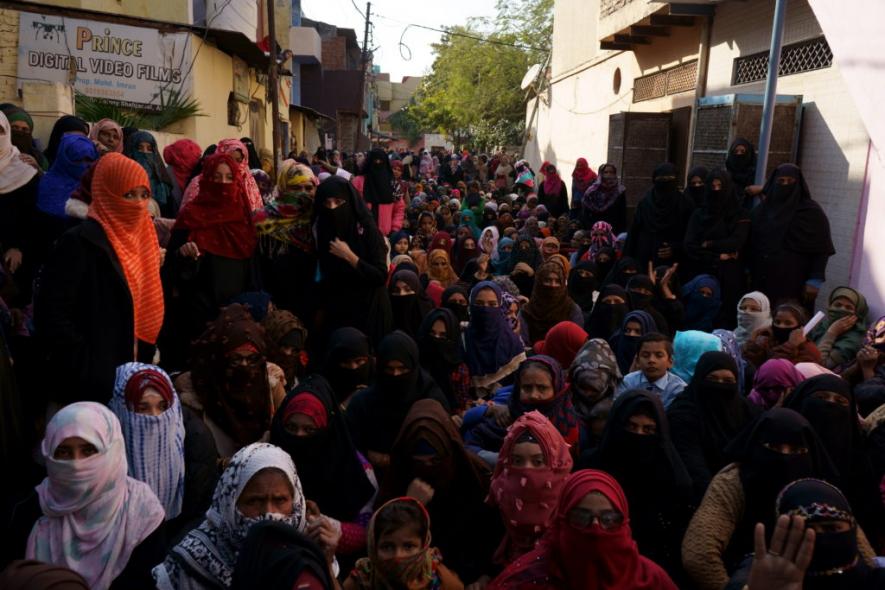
154,444
287,220
417,571
104,125
211,549
94,516
876,334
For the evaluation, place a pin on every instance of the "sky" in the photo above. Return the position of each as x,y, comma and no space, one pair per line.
432,13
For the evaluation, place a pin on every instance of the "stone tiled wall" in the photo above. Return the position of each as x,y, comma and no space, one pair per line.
8,55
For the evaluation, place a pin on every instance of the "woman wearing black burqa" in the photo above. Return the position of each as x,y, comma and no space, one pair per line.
637,450
375,182
716,234
741,164
352,268
789,239
658,229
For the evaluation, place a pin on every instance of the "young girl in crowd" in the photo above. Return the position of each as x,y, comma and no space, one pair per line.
400,553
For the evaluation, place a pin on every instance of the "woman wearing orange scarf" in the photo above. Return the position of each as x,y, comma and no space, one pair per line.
99,301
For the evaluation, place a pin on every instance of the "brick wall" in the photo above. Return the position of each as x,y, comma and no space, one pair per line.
8,55
608,7
335,53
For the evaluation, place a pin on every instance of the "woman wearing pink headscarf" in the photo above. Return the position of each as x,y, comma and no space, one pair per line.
93,518
107,135
773,382
237,150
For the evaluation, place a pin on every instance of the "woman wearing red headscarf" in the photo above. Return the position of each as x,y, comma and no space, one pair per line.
552,192
213,242
99,300
582,177
181,158
588,544
237,150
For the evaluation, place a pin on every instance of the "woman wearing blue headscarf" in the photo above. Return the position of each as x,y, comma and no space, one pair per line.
625,342
702,299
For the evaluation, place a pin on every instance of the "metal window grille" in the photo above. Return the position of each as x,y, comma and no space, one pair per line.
671,81
805,56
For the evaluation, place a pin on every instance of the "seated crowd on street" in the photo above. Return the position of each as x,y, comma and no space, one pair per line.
425,370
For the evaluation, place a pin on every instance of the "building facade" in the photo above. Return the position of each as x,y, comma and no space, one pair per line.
132,50
659,68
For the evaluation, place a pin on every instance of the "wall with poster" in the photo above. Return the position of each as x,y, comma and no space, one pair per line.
128,65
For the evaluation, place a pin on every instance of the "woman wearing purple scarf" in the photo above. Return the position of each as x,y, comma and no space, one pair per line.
605,200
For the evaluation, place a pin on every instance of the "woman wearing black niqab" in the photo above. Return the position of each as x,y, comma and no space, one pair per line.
742,167
441,357
694,184
348,365
706,417
376,414
716,234
608,312
789,239
646,464
658,229
378,174
409,304
64,126
275,556
352,269
583,281
828,403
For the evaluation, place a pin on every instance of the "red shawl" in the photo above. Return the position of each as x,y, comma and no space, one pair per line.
568,557
183,156
219,217
583,176
552,182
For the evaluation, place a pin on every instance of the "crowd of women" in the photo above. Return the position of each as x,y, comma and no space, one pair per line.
413,370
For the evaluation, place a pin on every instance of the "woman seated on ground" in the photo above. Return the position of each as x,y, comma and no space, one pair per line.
637,450
348,365
429,463
259,484
781,447
707,416
840,335
492,351
589,544
376,414
549,304
539,385
311,428
533,465
168,447
91,517
439,345
400,532
784,339
229,384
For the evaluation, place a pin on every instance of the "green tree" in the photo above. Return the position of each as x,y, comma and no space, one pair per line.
472,93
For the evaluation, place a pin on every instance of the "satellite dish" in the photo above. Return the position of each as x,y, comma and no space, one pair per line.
530,76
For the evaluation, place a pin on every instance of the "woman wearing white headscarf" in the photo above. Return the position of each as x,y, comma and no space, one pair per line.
96,520
259,484
753,313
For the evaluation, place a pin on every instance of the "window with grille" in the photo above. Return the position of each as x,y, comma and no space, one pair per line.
805,56
670,81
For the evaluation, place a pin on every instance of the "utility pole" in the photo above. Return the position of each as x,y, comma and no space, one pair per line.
365,77
774,62
273,81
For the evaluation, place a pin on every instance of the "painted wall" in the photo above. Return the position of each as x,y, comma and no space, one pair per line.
859,49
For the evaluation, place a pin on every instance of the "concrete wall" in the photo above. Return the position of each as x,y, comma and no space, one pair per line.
8,54
574,34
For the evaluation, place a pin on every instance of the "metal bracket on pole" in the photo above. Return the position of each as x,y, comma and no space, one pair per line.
774,62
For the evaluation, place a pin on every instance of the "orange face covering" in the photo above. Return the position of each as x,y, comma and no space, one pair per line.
131,233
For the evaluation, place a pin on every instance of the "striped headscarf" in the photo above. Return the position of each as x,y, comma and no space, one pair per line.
130,230
154,444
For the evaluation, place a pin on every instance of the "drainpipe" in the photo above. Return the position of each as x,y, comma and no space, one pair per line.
774,62
700,84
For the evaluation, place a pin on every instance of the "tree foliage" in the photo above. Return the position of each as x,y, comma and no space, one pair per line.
472,93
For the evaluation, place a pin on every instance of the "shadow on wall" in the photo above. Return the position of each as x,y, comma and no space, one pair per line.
835,186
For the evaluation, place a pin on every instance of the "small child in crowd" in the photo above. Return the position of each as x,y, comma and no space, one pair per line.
654,359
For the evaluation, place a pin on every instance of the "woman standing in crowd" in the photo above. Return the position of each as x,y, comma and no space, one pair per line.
552,193
605,200
790,239
549,304
105,271
582,177
351,270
